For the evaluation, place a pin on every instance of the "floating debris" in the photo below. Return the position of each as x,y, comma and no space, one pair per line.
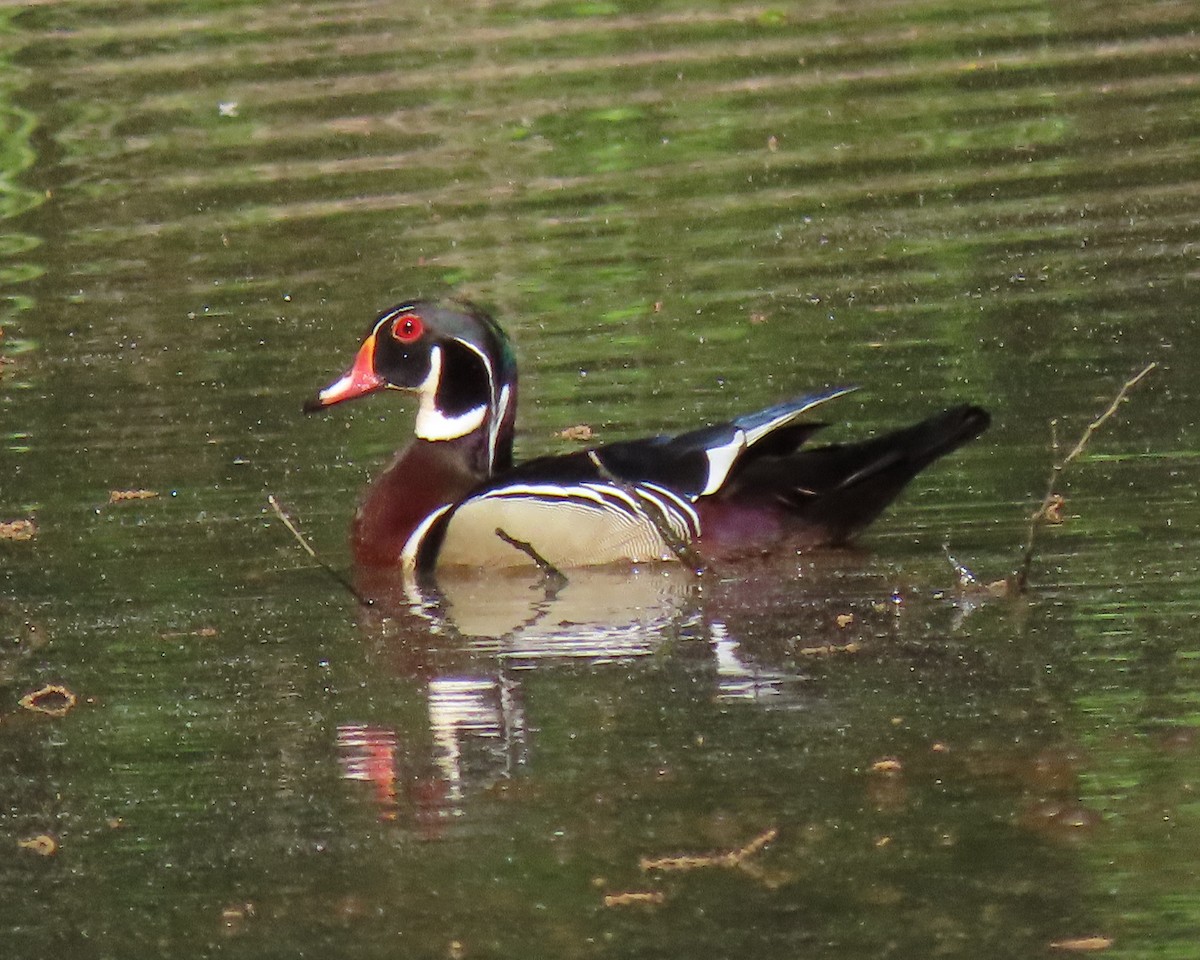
53,700
43,845
580,433
235,916
17,530
122,496
729,858
1052,510
1083,944
1061,819
304,544
828,649
886,786
1052,502
205,632
632,897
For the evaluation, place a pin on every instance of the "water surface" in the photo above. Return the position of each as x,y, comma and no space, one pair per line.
681,211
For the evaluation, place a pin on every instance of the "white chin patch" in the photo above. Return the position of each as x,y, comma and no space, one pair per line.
432,424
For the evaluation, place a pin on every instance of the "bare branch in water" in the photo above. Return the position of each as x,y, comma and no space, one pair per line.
1044,514
684,552
549,570
287,522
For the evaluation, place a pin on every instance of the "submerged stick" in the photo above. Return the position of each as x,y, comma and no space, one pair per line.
1046,508
683,550
556,577
725,858
286,521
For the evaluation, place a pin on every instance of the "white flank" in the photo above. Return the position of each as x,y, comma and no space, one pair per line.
675,510
570,525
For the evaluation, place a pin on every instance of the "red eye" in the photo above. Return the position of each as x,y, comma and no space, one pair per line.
407,327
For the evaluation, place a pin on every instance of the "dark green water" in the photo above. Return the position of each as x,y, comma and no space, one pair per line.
681,211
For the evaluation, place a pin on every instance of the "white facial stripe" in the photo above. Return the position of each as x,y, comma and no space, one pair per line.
428,387
390,316
501,410
494,426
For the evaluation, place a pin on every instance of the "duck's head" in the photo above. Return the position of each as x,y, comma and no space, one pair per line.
454,357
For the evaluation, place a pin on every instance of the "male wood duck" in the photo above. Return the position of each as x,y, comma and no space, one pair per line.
453,497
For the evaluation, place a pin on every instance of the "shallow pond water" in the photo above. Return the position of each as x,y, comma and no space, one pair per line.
681,211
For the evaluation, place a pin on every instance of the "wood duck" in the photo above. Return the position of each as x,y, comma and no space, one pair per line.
453,497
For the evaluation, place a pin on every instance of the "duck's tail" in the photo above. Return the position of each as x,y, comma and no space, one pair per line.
833,492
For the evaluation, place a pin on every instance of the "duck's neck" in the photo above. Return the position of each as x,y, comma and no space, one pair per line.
464,435
482,436
424,477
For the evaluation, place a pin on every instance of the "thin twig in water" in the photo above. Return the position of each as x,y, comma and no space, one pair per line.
287,522
1042,513
727,858
555,576
682,549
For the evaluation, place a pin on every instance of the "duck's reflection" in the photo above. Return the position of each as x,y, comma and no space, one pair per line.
368,754
596,614
738,677
478,728
470,643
